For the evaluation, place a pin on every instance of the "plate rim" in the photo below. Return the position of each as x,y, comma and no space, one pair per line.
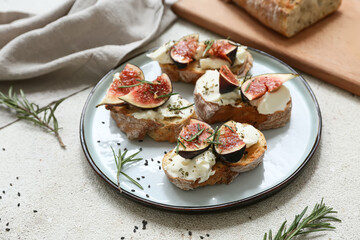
237,203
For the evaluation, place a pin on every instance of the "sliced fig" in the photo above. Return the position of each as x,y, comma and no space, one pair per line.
129,76
150,94
229,146
194,139
224,49
257,86
227,81
183,52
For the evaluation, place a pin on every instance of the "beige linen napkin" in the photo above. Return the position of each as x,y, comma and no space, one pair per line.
72,46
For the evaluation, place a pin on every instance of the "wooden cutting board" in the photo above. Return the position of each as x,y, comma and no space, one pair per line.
329,50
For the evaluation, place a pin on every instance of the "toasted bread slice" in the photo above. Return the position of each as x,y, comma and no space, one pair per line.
270,110
193,71
242,112
224,172
158,128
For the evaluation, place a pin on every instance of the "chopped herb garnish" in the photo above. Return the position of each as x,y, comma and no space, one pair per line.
229,128
166,95
195,136
208,44
180,108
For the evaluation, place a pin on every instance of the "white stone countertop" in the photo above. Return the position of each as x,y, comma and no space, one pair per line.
50,193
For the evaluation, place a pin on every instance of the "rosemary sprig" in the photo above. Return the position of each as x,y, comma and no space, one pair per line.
213,134
165,95
317,221
194,136
208,44
141,82
43,117
179,108
120,161
229,128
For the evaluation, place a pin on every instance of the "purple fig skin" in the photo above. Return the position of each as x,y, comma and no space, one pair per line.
182,61
233,156
226,84
193,153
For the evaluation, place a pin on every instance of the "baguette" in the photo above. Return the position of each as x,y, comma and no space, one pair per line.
222,172
289,17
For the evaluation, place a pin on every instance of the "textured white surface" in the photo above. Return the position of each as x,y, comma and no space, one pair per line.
72,202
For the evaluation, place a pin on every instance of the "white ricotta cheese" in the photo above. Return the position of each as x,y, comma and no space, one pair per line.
213,63
240,55
161,54
208,86
168,110
248,134
200,167
272,101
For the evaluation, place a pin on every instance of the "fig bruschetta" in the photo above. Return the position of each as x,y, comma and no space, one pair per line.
262,101
204,156
140,107
187,59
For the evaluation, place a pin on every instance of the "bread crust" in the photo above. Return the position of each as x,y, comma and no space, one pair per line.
243,112
136,129
225,172
193,72
288,17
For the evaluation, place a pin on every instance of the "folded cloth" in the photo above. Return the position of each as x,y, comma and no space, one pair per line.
75,44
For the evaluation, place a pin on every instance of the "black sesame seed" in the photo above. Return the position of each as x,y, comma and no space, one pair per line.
103,122
122,238
144,222
17,178
152,159
133,190
165,152
158,161
3,149
147,195
19,194
201,237
250,217
208,235
0,197
18,205
7,224
98,141
141,140
118,144
125,149
7,229
35,211
159,168
149,186
146,163
136,227
138,179
134,230
140,149
3,192
190,233
142,176
10,184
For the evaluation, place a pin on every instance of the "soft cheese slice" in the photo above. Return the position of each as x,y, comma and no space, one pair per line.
161,54
200,167
213,63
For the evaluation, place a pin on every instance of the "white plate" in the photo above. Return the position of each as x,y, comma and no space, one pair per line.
289,148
